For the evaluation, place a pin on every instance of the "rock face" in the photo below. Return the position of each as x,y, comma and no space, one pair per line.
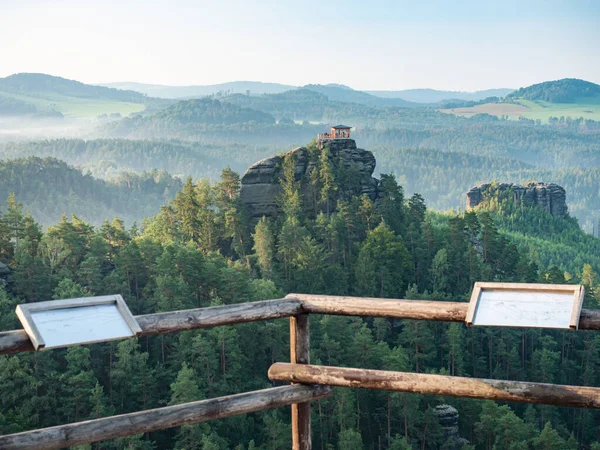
550,197
448,418
261,186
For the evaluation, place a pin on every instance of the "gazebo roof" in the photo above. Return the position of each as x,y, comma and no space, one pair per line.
340,127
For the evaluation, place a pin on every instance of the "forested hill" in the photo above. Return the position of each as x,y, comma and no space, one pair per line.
39,84
46,94
556,242
349,95
190,118
49,188
567,90
183,92
436,96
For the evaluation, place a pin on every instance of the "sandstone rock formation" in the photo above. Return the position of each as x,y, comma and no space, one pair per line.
550,197
448,418
261,187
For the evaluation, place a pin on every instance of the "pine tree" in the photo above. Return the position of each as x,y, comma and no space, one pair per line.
187,210
391,205
350,438
439,271
291,198
133,379
549,439
264,247
79,381
455,344
383,265
14,218
327,180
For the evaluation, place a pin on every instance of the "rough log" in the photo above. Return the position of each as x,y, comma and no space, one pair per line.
406,309
300,354
167,322
382,307
17,341
160,418
513,391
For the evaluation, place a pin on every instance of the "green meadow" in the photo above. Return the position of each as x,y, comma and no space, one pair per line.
534,109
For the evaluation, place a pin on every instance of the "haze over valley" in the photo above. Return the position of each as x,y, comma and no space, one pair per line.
439,147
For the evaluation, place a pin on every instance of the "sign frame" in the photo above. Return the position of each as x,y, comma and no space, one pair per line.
24,313
578,292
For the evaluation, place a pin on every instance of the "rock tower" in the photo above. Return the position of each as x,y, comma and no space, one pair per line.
550,197
261,184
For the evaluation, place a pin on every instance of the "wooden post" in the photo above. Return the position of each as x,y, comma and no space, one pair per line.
503,390
160,418
300,354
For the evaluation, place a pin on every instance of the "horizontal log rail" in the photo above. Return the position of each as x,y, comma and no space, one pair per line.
406,309
160,418
17,341
500,390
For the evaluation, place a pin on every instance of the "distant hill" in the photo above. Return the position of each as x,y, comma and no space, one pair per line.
10,106
297,104
42,84
181,92
545,102
345,94
48,188
207,111
190,118
49,93
435,96
567,90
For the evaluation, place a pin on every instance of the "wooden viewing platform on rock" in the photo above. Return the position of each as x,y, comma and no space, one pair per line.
337,132
312,382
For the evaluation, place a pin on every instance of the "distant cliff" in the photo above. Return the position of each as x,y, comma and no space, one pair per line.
261,184
550,197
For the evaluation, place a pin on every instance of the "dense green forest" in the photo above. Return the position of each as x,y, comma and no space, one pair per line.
50,188
200,250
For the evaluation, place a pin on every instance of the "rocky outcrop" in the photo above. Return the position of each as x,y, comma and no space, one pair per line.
448,418
550,197
261,184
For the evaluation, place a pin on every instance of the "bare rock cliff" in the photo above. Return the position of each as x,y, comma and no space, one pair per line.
261,186
550,197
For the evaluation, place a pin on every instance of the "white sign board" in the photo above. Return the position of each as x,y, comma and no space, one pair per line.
62,323
525,305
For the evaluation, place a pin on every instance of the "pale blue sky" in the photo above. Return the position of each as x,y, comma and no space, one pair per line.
376,44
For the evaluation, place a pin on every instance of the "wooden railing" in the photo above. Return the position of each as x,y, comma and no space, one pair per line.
314,381
324,136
